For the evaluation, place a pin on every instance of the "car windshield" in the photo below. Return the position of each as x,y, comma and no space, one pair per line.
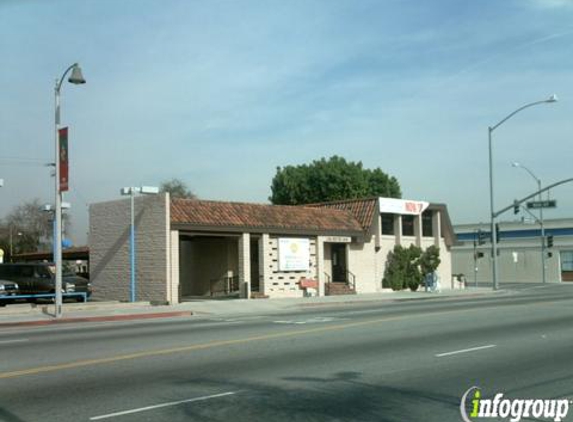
46,270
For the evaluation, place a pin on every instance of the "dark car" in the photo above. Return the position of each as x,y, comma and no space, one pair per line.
8,289
39,278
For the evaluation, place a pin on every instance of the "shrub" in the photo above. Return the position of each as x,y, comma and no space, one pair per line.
406,267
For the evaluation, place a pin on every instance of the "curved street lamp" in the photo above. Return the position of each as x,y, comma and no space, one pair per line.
76,78
538,180
490,129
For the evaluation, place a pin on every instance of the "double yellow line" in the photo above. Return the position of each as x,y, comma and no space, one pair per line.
221,343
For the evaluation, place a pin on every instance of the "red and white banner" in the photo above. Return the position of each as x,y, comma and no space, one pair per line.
64,168
402,206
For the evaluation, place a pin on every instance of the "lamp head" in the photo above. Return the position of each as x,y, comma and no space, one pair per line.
552,99
76,77
515,164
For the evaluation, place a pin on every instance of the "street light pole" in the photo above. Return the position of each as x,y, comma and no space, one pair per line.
131,191
76,78
132,294
538,180
551,99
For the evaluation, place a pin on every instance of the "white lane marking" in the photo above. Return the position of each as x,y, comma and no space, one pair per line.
18,340
158,406
473,349
316,320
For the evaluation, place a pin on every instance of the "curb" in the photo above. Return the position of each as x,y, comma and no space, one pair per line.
104,318
396,300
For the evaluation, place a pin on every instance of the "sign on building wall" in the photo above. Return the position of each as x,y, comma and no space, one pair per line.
402,206
294,254
337,239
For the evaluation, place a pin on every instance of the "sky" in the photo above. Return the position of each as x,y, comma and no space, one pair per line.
219,93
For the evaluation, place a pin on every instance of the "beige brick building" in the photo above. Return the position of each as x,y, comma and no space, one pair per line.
196,248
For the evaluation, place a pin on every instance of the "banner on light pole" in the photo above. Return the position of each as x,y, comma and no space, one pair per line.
64,167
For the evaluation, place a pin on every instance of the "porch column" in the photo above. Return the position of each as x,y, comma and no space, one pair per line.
320,264
378,234
418,229
245,265
173,295
264,262
437,227
398,229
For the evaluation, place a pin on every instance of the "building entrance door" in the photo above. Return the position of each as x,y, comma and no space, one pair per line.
338,256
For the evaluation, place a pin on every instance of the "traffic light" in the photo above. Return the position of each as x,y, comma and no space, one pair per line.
515,207
550,241
481,237
497,232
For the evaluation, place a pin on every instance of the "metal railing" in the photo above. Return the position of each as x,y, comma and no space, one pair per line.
83,295
225,285
351,279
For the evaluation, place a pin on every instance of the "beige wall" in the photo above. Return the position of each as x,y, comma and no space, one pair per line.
369,263
526,269
109,248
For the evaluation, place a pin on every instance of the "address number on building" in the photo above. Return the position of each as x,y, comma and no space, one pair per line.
337,239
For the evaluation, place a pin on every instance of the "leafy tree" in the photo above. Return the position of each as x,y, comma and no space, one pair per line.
406,267
30,227
177,189
330,180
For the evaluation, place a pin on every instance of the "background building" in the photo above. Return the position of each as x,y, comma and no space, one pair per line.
519,252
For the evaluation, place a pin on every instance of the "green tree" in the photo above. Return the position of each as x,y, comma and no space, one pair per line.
330,180
177,189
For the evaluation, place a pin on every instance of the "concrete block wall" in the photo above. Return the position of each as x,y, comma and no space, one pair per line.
284,284
109,248
526,269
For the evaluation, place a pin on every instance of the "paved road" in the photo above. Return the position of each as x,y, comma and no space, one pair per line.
409,361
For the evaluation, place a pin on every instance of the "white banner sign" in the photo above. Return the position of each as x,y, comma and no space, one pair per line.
402,206
294,254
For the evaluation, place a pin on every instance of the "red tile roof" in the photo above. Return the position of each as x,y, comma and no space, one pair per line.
215,215
362,209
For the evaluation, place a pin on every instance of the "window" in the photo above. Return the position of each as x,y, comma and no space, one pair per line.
567,261
427,226
387,223
407,225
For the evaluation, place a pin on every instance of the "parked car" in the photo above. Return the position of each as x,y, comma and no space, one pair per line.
7,290
40,278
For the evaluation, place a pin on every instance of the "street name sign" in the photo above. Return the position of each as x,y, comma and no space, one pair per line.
535,205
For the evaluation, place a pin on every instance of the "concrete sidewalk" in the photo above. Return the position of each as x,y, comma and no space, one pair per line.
14,315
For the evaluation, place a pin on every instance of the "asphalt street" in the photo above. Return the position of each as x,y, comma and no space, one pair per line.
401,361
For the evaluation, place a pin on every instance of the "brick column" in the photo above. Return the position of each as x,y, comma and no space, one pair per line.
245,265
